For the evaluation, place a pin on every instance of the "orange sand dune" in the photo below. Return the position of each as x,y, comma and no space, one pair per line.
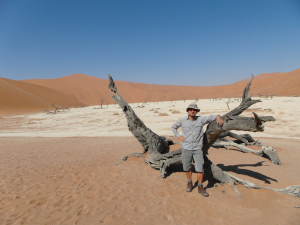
90,90
280,84
18,97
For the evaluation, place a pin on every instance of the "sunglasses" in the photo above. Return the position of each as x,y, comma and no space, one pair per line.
193,110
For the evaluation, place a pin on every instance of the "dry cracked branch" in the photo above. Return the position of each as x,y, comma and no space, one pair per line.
266,151
156,148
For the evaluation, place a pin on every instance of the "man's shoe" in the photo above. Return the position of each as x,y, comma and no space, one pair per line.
189,187
202,191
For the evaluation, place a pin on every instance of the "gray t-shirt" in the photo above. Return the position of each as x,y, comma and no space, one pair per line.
192,131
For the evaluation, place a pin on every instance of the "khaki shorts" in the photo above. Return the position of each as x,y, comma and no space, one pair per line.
188,155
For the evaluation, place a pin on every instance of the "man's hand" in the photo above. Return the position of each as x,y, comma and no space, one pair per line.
219,120
181,138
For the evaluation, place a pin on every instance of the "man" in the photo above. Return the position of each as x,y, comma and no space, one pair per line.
192,143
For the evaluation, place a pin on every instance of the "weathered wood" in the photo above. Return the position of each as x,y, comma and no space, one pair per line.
246,102
157,148
250,139
233,135
272,154
266,151
149,140
246,139
137,154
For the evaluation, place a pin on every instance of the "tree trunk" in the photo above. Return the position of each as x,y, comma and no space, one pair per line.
157,147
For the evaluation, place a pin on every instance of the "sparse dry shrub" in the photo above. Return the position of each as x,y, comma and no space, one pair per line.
170,109
155,111
163,114
115,114
175,112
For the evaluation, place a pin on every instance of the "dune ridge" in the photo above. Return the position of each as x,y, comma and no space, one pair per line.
14,99
90,90
18,97
35,95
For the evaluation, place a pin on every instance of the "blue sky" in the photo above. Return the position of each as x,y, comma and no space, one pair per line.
199,43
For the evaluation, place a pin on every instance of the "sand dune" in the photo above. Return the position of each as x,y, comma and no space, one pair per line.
90,90
80,89
280,84
15,100
18,97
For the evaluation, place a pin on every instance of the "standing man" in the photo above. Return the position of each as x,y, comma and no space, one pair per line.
192,143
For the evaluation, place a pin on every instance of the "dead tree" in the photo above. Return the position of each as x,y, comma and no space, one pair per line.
56,109
227,103
156,148
101,100
65,108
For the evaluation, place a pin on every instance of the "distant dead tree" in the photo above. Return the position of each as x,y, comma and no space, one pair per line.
228,101
101,100
65,108
147,98
56,109
156,150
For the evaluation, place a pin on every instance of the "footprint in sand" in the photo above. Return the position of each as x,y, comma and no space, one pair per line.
140,208
107,219
83,210
168,217
67,218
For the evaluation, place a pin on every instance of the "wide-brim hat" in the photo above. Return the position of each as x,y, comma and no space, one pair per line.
192,106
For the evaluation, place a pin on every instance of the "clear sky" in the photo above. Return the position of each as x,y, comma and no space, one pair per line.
199,42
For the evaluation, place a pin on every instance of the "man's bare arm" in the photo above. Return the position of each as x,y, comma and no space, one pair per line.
219,120
181,138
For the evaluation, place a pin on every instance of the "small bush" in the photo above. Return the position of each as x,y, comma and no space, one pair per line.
175,112
155,111
163,114
116,114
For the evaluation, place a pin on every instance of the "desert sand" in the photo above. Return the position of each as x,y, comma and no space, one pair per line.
94,121
61,169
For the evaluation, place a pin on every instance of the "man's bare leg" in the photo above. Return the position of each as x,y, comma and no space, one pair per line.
189,187
189,174
200,177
